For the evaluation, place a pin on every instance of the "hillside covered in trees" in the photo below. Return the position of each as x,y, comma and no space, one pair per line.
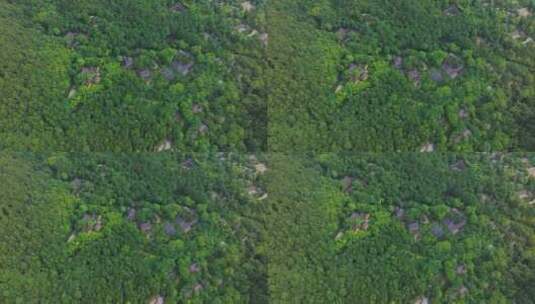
99,228
287,75
379,75
222,228
267,151
401,228
131,75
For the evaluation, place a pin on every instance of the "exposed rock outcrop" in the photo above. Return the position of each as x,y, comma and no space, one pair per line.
453,66
347,184
358,73
186,220
91,75
414,228
360,221
194,268
260,168
167,73
169,229
127,62
92,222
145,227
157,300
437,230
145,74
131,214
436,75
178,8
452,10
455,222
247,6
422,300
165,146
414,76
264,39
523,12
429,147
398,62
458,166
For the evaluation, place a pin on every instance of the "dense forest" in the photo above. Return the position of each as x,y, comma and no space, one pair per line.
225,228
287,75
233,151
101,228
131,75
401,228
414,75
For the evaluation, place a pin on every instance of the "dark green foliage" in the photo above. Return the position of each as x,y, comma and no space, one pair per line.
388,228
33,73
34,215
110,229
103,76
393,228
330,75
396,75
314,76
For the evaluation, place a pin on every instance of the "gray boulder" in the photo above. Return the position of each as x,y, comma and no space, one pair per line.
436,75
167,73
145,74
453,66
128,62
437,230
169,229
